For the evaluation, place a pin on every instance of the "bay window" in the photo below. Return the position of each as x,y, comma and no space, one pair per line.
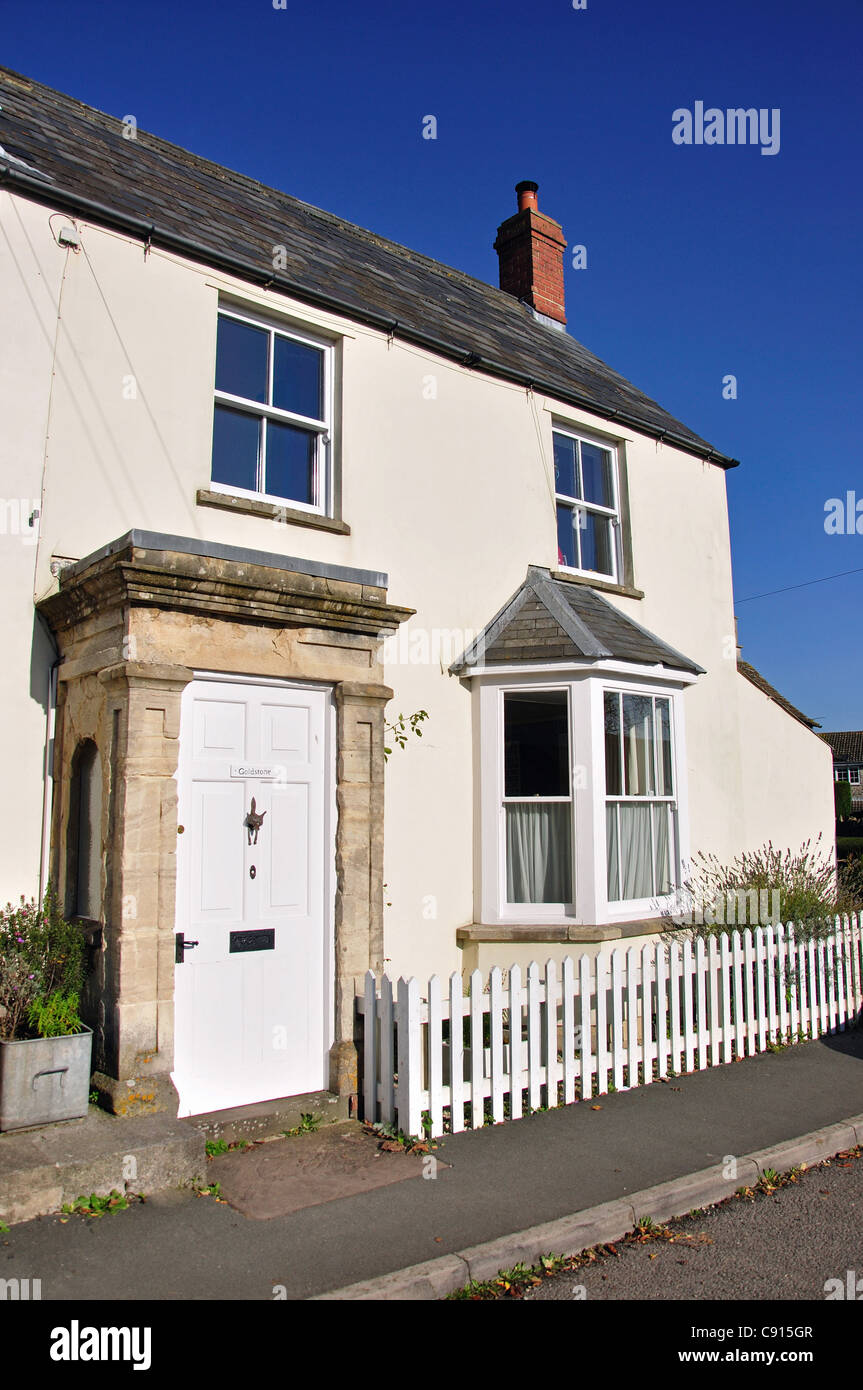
582,797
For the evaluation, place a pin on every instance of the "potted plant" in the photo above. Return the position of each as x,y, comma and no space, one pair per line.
45,1049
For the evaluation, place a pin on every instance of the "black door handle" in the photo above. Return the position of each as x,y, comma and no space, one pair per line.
181,946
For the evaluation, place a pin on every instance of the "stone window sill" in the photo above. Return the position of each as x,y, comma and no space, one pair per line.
271,511
625,590
552,932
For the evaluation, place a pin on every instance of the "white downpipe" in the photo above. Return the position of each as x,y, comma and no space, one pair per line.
48,780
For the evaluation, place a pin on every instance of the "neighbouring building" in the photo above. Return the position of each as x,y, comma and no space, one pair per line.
847,749
272,481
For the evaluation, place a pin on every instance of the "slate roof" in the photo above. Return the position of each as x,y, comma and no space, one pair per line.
756,679
847,746
550,620
61,152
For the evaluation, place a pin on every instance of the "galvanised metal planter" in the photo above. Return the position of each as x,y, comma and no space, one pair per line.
44,1079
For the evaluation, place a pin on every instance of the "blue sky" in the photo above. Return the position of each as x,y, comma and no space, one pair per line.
702,261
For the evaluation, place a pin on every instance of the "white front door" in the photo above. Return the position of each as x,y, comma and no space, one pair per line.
253,997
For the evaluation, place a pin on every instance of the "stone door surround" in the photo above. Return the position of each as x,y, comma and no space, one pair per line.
134,622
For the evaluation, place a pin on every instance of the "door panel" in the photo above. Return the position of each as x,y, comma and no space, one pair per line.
253,1024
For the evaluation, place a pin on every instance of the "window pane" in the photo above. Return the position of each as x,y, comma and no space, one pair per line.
613,771
597,552
663,729
612,855
290,463
241,360
596,475
565,474
638,745
539,853
635,856
235,448
536,739
298,378
567,547
662,868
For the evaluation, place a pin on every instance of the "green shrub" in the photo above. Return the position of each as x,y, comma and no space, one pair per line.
801,887
850,875
55,1015
849,844
842,799
41,955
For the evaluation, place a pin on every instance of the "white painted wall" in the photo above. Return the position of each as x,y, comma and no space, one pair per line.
447,486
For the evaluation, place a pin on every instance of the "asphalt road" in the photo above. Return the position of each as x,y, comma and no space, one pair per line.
787,1245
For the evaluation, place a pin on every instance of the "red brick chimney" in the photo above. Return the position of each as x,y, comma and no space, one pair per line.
530,247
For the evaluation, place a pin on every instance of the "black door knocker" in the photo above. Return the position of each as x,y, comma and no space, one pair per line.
254,821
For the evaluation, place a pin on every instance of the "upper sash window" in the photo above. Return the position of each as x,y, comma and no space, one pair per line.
588,511
272,416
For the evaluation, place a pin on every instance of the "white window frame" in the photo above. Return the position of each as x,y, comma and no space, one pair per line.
578,504
587,688
323,428
541,910
854,776
639,905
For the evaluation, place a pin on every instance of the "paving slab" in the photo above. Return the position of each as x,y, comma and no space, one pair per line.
305,1170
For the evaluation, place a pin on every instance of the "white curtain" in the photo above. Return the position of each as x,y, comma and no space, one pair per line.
539,853
660,835
637,870
629,859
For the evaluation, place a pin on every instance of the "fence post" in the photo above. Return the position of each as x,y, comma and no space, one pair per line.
534,1037
370,1070
701,1001
516,1049
568,1033
647,1048
727,982
456,1052
585,1051
409,1093
435,1056
713,973
631,1018
552,1069
495,1002
602,1055
782,981
387,1061
477,1108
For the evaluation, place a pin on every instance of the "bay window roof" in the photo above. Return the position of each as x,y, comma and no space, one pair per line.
553,620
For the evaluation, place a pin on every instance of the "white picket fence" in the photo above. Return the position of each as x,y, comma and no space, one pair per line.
621,1019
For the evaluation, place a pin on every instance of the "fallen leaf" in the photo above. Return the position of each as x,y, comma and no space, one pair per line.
596,1107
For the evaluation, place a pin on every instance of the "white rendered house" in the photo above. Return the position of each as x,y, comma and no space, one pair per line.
271,481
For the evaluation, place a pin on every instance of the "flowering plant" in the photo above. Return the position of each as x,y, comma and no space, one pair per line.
41,959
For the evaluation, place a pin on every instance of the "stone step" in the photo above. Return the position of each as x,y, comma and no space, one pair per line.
269,1119
41,1169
